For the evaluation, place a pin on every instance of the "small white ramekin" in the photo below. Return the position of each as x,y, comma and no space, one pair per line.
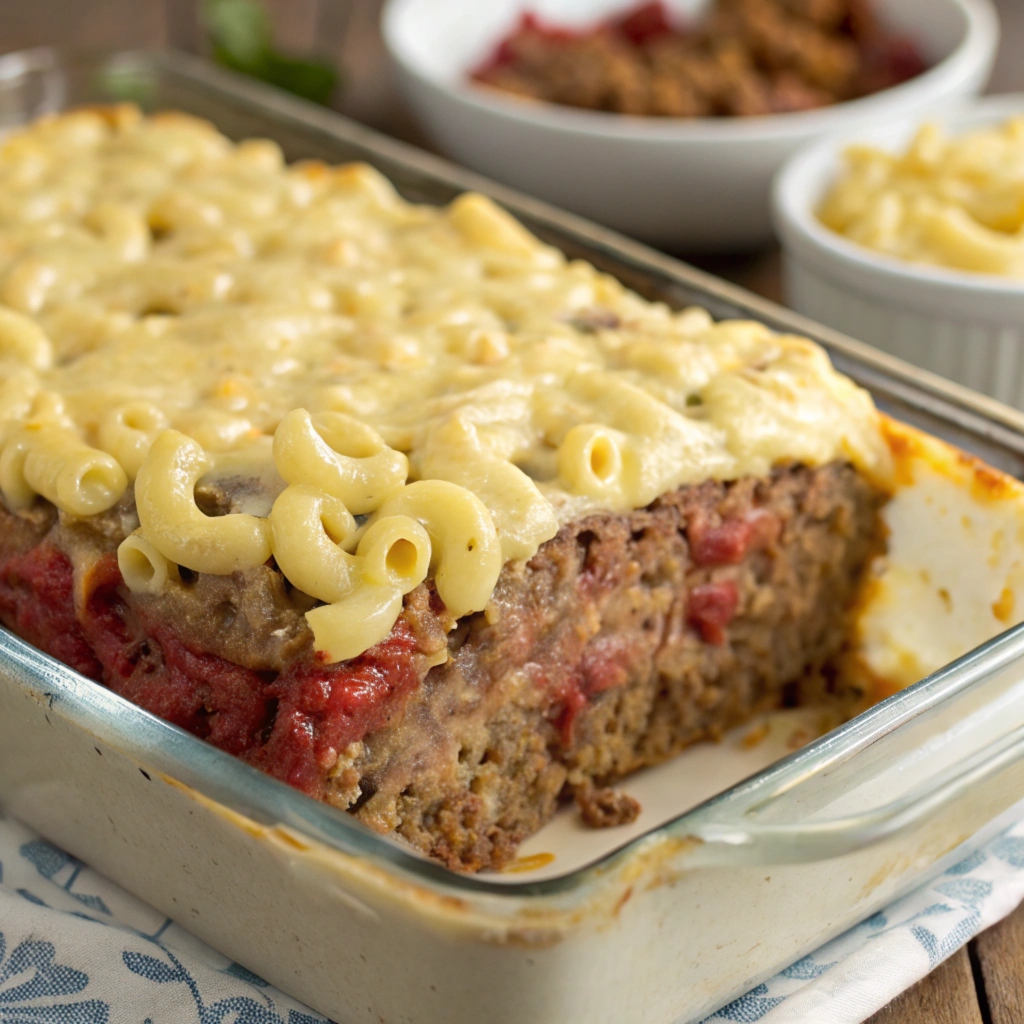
967,327
686,184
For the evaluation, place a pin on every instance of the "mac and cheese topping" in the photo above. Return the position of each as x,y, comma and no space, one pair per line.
407,391
951,202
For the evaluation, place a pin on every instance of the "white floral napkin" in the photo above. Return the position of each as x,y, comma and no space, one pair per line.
77,949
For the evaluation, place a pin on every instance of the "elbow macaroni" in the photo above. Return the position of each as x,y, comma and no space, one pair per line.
389,392
52,460
466,553
343,456
396,552
592,460
128,432
143,568
174,524
307,530
23,340
950,202
354,624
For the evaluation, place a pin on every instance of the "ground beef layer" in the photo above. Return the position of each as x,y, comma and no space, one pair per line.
625,639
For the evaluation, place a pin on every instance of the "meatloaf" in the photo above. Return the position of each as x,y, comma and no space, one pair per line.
740,58
623,640
395,502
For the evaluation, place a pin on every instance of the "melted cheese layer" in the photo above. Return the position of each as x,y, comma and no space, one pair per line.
177,282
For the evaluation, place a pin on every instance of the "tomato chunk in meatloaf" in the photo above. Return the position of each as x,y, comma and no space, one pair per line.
624,639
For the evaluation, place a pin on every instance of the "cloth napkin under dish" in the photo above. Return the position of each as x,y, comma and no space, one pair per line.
77,949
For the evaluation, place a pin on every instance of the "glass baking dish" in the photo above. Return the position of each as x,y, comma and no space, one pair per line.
663,928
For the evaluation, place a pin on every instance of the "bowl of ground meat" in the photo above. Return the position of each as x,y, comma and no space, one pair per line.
667,120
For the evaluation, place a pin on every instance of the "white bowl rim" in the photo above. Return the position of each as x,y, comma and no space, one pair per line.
795,217
976,48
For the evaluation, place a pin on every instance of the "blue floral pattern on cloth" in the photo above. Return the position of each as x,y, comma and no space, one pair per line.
849,978
77,949
32,987
240,1009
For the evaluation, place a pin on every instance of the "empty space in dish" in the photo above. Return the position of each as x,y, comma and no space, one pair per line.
665,792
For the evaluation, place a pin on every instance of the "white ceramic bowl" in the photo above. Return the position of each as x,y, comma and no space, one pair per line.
683,184
968,327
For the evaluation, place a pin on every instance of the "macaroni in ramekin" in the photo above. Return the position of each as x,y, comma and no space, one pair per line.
955,202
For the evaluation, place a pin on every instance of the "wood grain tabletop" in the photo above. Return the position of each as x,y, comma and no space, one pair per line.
983,983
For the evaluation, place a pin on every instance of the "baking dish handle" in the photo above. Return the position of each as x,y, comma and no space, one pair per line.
890,769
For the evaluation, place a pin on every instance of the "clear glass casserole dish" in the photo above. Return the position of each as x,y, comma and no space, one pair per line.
663,927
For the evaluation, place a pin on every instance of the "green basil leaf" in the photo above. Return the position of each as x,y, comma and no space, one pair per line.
239,31
311,79
241,39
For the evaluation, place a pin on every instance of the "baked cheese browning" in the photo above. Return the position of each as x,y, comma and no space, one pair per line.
178,312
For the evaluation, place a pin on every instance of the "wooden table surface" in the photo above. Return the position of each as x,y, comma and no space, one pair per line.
981,984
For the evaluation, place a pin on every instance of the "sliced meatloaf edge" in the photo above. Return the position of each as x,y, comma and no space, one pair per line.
626,638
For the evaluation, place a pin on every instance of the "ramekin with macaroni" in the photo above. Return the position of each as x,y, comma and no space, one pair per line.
948,200
910,236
